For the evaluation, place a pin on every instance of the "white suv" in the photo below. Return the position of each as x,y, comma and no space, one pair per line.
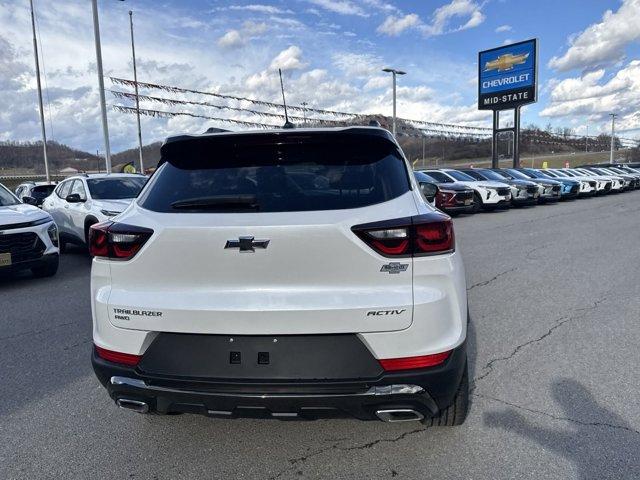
28,237
280,274
488,194
80,201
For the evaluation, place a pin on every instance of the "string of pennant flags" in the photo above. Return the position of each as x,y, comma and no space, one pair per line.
407,127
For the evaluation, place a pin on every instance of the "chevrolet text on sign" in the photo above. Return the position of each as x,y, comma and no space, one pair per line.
507,76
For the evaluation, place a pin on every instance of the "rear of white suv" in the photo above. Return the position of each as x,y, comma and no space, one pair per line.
293,273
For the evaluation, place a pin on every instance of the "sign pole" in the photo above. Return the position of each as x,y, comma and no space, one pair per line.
516,138
494,139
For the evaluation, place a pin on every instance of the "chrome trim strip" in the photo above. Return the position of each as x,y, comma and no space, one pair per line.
381,390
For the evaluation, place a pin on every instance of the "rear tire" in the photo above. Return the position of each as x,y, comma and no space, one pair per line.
456,413
47,268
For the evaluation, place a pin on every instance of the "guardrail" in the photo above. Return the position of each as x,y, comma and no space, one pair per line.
12,181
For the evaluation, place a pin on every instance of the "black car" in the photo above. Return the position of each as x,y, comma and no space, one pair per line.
452,198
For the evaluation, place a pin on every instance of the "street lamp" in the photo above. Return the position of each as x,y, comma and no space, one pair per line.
613,131
103,102
394,72
44,133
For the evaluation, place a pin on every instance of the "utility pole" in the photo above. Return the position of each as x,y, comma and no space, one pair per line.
103,102
586,141
44,133
613,132
394,73
135,81
304,111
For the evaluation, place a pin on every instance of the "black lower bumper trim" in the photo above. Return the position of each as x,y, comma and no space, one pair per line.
360,398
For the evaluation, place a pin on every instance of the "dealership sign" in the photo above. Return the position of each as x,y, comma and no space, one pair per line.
507,76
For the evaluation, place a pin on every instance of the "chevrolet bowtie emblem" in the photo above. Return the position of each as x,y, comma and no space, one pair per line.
506,62
247,244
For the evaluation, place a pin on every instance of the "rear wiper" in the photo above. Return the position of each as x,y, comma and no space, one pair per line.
218,202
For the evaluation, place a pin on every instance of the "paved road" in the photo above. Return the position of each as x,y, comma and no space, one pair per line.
555,299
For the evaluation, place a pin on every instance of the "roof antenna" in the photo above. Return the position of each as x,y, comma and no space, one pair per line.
287,123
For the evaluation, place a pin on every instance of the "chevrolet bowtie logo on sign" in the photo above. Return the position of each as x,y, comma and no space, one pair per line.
507,76
247,244
505,62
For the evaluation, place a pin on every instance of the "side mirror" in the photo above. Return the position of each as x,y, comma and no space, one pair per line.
429,190
29,200
74,198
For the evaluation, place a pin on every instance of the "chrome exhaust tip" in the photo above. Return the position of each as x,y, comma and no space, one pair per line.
135,405
399,415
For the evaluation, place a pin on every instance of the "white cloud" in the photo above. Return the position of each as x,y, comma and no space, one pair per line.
231,39
374,83
238,38
289,59
602,43
593,96
343,7
357,65
394,26
442,17
259,8
504,28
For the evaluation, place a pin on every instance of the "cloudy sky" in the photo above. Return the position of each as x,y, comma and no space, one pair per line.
330,51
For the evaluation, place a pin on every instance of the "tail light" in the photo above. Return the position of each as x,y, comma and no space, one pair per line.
118,357
409,363
116,240
421,235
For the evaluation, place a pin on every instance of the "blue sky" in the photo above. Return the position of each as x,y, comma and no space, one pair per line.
331,53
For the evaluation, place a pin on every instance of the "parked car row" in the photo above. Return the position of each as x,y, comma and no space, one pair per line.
469,190
32,238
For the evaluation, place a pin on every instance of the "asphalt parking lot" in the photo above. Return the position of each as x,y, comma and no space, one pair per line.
554,295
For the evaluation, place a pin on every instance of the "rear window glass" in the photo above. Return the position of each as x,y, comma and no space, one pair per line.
42,191
257,174
117,188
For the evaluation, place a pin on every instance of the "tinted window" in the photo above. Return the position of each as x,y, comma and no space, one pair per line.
216,175
41,192
517,174
461,176
115,188
440,177
7,198
474,174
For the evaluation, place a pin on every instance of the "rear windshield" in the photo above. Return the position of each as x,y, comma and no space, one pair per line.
117,188
40,192
215,175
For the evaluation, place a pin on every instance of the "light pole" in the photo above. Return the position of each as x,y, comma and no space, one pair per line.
613,131
394,72
103,103
44,133
135,81
586,141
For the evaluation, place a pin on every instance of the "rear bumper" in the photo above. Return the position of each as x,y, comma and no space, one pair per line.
426,391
